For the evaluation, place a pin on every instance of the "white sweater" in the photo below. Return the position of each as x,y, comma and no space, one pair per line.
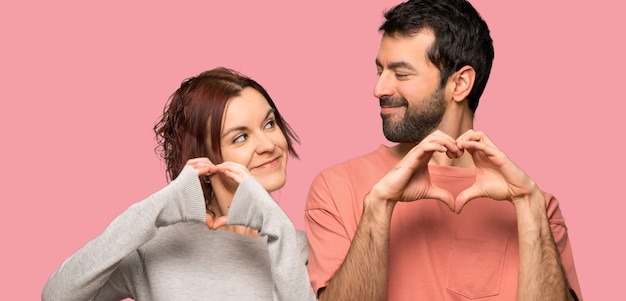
161,249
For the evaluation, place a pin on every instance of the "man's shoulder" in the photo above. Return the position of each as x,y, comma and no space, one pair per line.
348,181
378,159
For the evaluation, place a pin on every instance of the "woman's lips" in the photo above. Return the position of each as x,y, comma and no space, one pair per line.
269,164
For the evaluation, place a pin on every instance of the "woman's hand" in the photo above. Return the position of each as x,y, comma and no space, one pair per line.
233,171
203,166
232,174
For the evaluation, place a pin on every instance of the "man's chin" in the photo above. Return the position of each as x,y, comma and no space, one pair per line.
391,136
389,132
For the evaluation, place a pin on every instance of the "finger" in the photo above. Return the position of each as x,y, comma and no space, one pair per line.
200,165
467,195
199,160
209,221
422,153
233,176
234,171
452,150
478,146
217,223
476,140
454,155
220,222
486,139
228,165
419,155
468,132
477,136
468,136
486,152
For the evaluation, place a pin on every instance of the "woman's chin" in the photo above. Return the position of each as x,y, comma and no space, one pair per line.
272,185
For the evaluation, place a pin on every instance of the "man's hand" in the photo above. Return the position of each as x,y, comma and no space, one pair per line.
409,180
497,177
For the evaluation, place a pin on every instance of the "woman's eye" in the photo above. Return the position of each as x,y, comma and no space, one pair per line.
239,139
270,124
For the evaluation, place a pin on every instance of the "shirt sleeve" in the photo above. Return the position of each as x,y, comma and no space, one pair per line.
253,207
101,270
328,236
559,232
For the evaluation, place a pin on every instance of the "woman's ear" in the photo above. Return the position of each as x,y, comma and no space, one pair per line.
463,81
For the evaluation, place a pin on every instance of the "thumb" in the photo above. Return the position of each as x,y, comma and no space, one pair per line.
466,196
444,196
220,222
217,223
209,221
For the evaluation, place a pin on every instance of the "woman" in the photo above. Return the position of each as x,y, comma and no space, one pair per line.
214,232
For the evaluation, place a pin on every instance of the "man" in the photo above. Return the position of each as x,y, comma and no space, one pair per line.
509,243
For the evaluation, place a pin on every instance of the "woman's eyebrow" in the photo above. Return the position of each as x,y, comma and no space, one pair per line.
242,128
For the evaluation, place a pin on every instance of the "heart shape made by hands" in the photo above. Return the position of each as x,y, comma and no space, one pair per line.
215,224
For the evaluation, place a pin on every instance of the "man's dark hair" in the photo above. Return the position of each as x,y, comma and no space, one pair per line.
462,37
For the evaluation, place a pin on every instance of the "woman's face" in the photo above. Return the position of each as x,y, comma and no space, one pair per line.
251,137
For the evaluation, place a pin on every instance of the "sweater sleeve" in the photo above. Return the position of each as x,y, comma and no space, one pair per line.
253,207
101,270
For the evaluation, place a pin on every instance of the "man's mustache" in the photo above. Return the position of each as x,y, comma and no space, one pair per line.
393,102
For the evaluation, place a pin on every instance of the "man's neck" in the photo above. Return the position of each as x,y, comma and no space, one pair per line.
454,130
401,149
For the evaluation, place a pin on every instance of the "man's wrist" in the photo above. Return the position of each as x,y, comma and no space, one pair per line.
377,206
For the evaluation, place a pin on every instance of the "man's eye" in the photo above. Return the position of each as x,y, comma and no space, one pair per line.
401,75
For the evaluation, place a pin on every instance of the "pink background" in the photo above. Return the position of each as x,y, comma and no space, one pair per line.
82,83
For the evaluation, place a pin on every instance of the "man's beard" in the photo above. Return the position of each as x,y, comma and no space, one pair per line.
418,122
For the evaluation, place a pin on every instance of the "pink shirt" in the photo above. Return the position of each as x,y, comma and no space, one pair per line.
434,254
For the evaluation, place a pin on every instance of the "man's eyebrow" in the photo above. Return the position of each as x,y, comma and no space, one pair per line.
401,64
396,65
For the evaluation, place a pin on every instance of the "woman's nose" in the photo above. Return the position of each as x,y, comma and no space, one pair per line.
266,144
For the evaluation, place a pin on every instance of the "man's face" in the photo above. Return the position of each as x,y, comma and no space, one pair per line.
412,103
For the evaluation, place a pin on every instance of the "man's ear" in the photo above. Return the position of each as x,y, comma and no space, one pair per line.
463,81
